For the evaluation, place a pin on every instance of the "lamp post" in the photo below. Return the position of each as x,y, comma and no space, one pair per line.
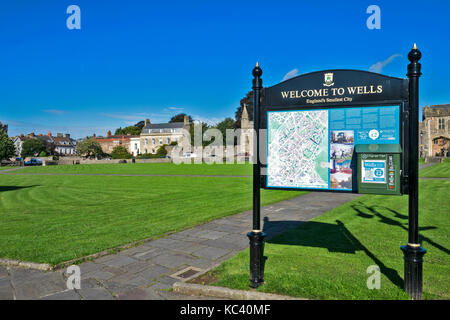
413,252
256,236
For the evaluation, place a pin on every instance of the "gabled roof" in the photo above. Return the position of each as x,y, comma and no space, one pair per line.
439,110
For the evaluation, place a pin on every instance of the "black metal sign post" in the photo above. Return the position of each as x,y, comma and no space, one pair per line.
413,252
256,236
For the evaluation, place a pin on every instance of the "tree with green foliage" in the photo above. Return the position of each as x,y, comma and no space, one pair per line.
192,130
161,152
32,148
7,148
227,123
132,130
89,147
180,118
120,152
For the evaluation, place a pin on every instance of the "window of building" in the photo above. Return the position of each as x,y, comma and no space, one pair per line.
160,141
168,140
441,124
146,141
153,141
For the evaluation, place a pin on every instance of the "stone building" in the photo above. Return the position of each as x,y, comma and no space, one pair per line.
245,147
109,142
64,144
434,131
18,142
154,135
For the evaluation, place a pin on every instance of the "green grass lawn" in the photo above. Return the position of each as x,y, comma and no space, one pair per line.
327,257
440,170
147,168
5,168
58,218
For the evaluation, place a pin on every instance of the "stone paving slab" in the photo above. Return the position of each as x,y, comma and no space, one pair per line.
144,272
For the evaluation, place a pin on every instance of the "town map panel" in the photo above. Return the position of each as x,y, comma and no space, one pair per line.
313,149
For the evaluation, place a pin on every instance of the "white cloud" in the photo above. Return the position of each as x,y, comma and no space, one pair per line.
378,67
175,108
290,74
55,111
209,121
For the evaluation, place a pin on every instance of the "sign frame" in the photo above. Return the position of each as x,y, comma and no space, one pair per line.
395,94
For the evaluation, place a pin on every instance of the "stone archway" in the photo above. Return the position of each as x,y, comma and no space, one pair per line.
440,146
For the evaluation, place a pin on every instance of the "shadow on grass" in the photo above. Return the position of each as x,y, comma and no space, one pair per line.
374,211
334,237
12,188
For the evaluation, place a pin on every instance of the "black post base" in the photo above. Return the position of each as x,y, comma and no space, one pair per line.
413,257
256,258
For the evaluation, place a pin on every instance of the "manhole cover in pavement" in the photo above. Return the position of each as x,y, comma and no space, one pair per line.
187,273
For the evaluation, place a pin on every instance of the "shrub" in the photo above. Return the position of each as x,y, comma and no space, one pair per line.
120,152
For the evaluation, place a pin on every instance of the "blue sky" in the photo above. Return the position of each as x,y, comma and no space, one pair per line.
133,60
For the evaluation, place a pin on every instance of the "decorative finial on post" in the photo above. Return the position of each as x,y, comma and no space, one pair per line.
414,67
257,72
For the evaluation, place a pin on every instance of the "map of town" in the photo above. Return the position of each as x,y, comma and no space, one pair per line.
298,149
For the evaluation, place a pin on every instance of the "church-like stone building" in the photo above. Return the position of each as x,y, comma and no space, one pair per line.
434,131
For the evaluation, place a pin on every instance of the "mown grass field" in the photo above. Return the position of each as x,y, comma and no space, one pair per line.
440,170
53,219
146,168
327,257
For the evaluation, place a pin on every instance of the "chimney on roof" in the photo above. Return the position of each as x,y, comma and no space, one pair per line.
59,135
67,135
49,133
147,121
186,120
93,136
108,134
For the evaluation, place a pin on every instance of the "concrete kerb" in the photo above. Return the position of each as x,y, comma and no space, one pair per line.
193,289
26,264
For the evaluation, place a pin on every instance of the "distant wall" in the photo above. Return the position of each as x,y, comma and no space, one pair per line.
73,160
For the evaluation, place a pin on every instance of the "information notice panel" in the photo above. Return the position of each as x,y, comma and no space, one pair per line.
314,148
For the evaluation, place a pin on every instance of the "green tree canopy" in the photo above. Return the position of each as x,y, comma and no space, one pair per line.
7,148
120,152
89,147
227,123
205,127
180,118
133,130
32,148
161,152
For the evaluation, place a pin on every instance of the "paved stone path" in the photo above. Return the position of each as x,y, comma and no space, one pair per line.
145,272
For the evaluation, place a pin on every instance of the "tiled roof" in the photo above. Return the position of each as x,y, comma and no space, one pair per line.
172,125
440,110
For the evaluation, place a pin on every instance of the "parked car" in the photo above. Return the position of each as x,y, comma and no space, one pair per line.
33,162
